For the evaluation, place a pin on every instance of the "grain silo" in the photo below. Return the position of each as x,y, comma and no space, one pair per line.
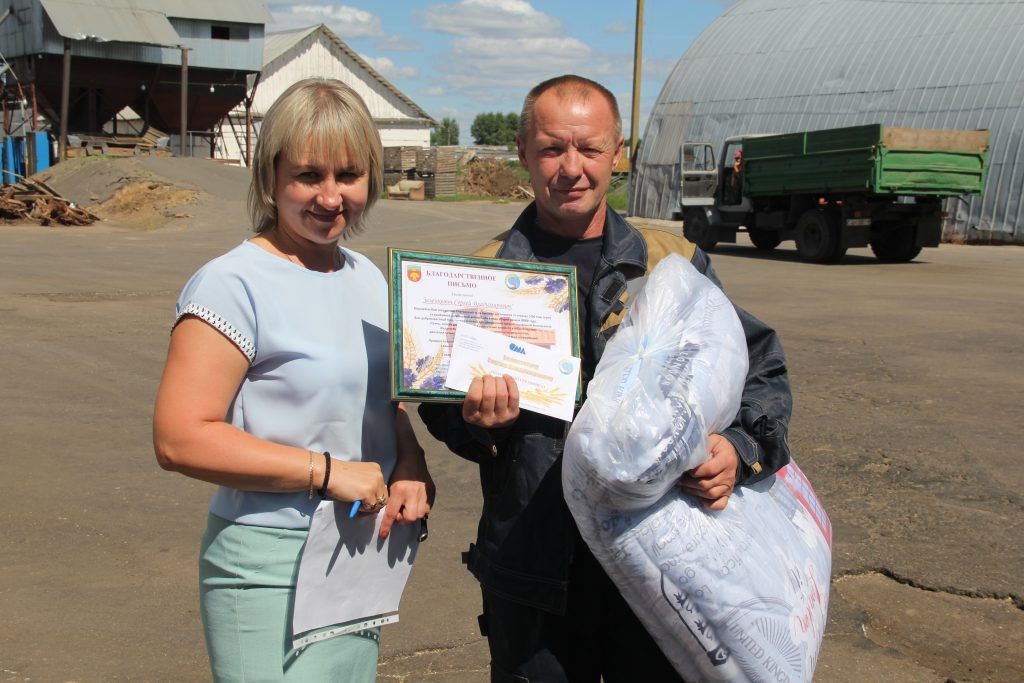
779,66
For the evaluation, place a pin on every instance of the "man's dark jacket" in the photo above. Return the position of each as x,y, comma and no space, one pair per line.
526,534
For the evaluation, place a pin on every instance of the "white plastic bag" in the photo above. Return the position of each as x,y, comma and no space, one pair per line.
737,595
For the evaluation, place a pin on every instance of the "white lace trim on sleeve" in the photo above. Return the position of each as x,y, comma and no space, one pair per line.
229,330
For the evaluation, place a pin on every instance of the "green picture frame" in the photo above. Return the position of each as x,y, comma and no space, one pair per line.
417,375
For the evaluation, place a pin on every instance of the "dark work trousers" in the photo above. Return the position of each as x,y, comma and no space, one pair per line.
599,637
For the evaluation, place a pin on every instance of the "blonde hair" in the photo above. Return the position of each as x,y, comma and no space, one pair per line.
328,118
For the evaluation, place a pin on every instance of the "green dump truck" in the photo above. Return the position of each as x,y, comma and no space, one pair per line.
831,189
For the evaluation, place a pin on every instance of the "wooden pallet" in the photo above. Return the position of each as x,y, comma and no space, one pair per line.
440,185
437,160
400,158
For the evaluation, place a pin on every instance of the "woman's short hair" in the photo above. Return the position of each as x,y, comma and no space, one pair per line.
330,119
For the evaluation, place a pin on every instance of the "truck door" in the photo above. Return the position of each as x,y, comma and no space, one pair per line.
699,174
731,188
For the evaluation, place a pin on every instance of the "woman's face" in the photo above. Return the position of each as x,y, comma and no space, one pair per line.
316,200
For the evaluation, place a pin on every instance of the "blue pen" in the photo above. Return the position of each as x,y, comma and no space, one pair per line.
355,508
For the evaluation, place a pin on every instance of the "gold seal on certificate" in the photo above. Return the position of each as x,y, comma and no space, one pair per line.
520,318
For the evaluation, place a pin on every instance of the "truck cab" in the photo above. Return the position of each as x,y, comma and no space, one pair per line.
711,196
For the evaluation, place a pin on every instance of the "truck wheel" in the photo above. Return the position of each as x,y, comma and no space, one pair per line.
898,245
765,240
818,239
697,229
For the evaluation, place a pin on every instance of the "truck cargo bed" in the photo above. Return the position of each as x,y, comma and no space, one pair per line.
871,158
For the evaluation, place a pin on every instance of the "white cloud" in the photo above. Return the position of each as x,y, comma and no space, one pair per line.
399,44
504,47
432,91
657,69
617,27
507,18
389,69
487,68
348,22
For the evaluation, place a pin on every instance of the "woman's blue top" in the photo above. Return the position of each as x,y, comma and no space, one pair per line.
318,378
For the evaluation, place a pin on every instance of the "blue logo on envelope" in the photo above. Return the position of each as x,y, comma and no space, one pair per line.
512,281
566,366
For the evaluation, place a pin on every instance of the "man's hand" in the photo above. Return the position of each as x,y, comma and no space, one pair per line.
411,491
714,480
491,402
411,494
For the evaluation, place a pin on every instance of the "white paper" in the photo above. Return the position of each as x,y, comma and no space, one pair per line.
546,379
349,579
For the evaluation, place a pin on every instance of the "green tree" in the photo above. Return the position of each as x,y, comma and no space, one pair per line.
445,134
495,128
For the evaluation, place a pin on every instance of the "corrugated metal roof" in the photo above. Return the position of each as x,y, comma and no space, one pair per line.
236,11
105,22
143,21
277,45
776,66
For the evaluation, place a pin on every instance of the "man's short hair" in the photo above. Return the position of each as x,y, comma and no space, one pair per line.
567,86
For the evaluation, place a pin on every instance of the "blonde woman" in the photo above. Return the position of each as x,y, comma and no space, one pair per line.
276,388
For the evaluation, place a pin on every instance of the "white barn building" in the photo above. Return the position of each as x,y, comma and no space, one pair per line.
291,56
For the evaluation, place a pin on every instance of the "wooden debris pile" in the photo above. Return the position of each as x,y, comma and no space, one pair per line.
35,199
494,178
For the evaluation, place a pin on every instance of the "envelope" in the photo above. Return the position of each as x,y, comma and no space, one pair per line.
547,379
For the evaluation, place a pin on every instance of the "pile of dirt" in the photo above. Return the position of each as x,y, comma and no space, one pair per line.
146,202
122,190
494,178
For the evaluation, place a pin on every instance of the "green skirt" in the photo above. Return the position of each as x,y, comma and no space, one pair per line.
247,578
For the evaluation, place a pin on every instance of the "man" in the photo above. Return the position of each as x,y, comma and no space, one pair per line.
736,178
550,611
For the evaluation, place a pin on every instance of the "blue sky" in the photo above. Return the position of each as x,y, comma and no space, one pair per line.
459,58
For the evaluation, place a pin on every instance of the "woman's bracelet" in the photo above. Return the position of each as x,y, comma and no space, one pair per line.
309,496
322,491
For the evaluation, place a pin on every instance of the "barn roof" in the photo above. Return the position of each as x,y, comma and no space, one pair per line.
110,20
278,47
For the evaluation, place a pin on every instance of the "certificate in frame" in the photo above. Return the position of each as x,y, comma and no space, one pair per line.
430,293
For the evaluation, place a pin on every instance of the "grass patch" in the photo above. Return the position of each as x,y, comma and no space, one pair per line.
618,194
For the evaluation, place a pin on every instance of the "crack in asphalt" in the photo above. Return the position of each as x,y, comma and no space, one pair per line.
427,651
401,677
1017,600
88,297
418,653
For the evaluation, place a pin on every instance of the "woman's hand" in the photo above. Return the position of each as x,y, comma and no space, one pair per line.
351,481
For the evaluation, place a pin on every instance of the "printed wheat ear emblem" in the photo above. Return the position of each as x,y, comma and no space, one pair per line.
545,396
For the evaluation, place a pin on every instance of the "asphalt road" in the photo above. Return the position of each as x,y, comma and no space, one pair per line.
907,382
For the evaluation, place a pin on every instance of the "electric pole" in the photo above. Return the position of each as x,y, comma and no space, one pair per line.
638,50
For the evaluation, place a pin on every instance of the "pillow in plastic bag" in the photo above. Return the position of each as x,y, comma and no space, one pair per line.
735,595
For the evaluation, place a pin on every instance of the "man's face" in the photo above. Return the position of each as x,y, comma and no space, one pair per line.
570,151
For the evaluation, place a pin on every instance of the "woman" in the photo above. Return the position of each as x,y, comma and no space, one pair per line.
276,388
